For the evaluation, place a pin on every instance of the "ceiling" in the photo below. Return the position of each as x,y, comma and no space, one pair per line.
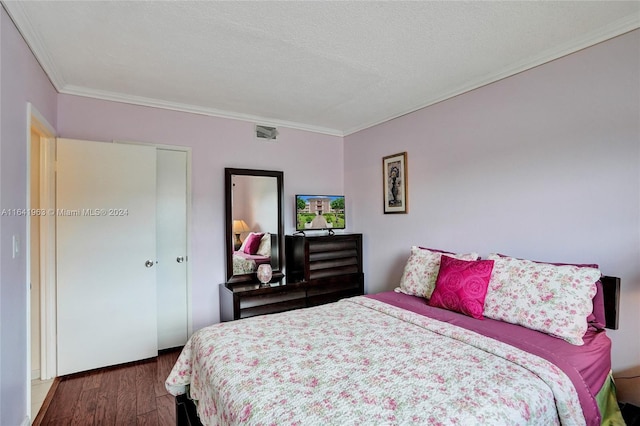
331,67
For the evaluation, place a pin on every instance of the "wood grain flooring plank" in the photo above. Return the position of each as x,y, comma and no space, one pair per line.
106,410
111,381
166,361
158,386
145,392
166,410
113,396
106,406
148,419
85,409
126,398
62,406
93,379
62,421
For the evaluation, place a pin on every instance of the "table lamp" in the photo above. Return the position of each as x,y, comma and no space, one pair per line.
239,226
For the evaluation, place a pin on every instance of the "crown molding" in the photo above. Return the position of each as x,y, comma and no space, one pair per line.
16,12
21,20
615,29
193,109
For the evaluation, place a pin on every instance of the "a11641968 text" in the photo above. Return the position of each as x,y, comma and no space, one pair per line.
65,212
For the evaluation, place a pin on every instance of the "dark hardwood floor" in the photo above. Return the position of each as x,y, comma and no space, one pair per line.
129,394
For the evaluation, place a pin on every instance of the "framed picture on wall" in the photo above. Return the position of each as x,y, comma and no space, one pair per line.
395,191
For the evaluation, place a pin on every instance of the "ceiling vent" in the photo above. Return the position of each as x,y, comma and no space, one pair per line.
266,133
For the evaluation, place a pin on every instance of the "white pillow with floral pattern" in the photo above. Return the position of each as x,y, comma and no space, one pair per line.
555,300
421,270
265,245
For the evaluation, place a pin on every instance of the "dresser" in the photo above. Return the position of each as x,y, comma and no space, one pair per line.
319,269
331,265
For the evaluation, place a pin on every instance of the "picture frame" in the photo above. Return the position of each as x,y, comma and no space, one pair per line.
395,190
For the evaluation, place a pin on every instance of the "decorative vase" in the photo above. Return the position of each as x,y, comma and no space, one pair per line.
264,273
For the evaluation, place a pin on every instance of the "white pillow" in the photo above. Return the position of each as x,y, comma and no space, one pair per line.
265,245
552,299
421,270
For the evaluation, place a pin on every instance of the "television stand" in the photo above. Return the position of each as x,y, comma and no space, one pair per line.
331,266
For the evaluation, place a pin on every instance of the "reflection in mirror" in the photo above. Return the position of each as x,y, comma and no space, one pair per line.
254,211
254,224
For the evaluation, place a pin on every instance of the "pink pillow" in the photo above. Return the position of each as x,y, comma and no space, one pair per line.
462,285
252,244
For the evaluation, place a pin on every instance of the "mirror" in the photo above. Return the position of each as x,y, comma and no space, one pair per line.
253,204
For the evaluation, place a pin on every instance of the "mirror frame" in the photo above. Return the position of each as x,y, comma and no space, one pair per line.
276,261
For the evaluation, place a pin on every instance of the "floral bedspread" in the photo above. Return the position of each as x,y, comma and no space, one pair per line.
361,361
243,266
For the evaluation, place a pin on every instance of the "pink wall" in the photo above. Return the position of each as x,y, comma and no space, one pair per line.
311,162
21,81
543,165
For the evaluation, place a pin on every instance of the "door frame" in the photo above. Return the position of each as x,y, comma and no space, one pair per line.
37,122
187,150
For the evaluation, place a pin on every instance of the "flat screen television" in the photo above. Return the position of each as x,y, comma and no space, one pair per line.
318,212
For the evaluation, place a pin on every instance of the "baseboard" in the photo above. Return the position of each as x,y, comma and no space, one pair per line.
26,421
35,374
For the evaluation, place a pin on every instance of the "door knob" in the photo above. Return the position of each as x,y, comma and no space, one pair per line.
148,263
180,259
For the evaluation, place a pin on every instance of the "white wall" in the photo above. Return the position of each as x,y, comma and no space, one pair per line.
21,81
264,204
255,200
543,165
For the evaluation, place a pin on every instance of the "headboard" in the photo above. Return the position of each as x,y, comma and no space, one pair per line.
611,296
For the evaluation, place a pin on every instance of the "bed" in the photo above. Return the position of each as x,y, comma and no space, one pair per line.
244,263
393,358
253,253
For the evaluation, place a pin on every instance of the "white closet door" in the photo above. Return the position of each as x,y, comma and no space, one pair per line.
172,248
106,252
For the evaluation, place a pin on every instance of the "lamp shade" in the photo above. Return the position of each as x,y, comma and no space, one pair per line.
240,226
